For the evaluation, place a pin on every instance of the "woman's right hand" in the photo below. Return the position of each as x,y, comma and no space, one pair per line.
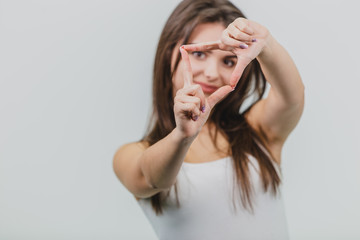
191,107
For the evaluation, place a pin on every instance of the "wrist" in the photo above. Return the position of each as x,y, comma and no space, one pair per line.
268,48
182,138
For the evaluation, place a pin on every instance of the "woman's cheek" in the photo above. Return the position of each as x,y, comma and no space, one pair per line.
197,67
226,75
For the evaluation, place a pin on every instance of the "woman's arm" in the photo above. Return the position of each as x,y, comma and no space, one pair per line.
144,170
278,114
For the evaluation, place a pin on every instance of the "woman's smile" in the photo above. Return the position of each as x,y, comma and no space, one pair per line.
206,87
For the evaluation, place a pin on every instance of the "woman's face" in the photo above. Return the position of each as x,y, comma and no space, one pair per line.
211,69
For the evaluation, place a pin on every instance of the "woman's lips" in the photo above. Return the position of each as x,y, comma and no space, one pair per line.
207,88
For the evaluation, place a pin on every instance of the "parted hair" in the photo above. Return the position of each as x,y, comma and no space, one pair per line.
226,116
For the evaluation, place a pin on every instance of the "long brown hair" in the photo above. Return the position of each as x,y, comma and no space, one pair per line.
225,116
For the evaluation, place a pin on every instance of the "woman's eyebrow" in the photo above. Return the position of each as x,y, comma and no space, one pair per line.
210,51
231,56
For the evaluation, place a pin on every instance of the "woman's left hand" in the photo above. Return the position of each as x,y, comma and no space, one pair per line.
245,38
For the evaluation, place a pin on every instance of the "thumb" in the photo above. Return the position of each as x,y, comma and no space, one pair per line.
219,94
238,71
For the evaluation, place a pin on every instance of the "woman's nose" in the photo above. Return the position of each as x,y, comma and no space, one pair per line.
211,71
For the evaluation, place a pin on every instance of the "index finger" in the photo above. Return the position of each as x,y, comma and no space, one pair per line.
187,70
202,46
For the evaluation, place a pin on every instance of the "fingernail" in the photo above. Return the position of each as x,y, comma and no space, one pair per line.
254,40
195,118
202,108
243,46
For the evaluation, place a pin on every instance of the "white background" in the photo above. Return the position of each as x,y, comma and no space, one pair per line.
75,84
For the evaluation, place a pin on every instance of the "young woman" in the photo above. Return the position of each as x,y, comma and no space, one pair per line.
205,169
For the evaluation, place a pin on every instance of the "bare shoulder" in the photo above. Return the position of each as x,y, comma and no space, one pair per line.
125,163
124,154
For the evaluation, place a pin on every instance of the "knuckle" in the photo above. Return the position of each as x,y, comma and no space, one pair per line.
238,35
229,41
242,27
240,21
197,111
222,45
193,107
194,111
197,87
179,92
198,100
185,107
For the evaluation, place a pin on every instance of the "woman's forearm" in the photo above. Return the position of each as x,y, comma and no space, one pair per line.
161,162
280,71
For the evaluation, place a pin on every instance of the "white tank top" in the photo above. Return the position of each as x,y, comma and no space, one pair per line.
207,212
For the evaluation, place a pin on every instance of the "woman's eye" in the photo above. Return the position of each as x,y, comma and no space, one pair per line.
229,62
200,55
